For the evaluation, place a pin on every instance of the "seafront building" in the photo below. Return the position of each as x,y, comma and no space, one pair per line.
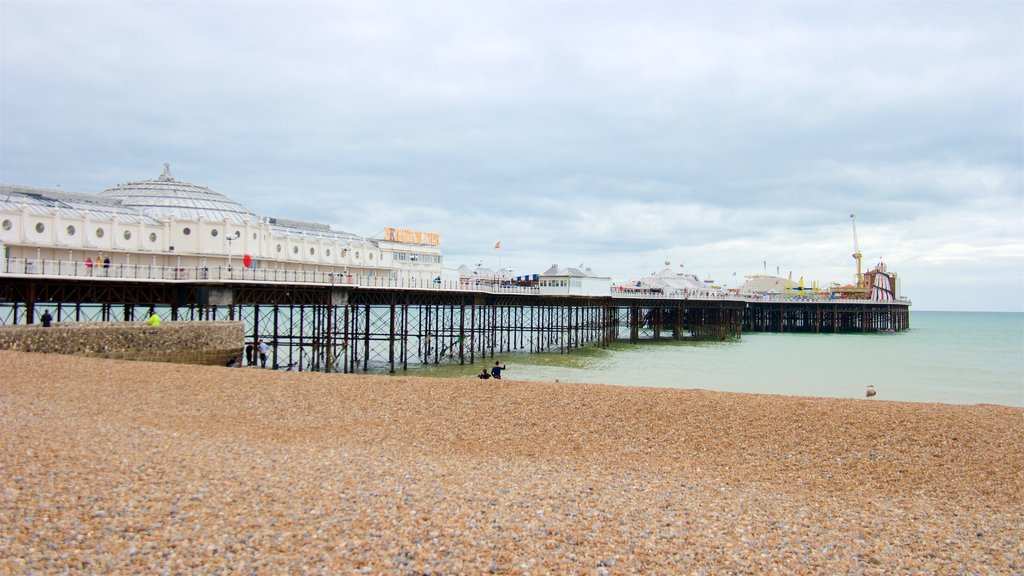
165,223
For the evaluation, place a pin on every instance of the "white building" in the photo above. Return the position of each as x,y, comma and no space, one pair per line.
565,281
173,224
671,283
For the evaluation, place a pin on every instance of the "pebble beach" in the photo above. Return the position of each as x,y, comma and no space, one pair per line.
110,466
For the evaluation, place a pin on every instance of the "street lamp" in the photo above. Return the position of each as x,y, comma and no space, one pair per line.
230,239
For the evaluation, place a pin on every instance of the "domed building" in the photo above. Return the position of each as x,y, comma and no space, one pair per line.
179,229
166,197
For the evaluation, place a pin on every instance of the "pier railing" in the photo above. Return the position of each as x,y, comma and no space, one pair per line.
21,267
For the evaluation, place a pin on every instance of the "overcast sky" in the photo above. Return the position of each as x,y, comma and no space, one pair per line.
733,138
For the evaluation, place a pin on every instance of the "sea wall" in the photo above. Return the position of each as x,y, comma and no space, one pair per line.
210,343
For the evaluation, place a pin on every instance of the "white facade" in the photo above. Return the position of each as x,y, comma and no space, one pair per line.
573,281
165,222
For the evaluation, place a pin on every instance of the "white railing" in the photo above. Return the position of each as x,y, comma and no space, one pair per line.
240,274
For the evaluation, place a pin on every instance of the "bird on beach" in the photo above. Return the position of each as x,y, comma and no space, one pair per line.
871,390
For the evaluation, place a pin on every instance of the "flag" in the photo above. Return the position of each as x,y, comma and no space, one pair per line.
497,245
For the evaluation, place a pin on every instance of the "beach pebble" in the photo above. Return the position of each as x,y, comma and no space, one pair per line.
111,466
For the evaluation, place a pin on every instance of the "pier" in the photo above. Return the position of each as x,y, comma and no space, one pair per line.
327,322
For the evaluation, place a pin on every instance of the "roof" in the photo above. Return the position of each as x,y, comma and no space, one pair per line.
152,201
555,270
43,201
166,197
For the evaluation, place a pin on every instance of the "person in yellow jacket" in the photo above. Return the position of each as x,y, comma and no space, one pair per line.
154,318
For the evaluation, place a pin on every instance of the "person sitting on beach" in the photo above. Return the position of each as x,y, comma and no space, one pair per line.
496,370
154,318
483,375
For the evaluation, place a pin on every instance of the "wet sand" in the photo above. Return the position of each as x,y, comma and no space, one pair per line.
111,466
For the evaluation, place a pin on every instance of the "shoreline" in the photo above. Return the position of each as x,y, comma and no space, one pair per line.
136,466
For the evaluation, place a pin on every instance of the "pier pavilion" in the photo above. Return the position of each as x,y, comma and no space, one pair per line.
168,223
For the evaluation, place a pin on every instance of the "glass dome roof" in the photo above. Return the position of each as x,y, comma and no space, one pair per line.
166,197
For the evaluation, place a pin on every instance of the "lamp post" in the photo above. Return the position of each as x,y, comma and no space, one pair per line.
231,239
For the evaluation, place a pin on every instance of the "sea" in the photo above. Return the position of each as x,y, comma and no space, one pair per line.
947,357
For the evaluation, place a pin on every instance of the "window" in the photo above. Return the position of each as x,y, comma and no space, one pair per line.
279,248
312,251
295,249
357,255
152,236
127,234
253,235
99,232
370,255
71,230
186,231
214,232
40,227
8,224
327,253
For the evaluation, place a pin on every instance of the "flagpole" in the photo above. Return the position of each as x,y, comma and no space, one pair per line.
497,246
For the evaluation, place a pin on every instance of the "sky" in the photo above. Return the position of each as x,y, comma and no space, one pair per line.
724,138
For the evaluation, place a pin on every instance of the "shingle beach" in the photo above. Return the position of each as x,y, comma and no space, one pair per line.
111,466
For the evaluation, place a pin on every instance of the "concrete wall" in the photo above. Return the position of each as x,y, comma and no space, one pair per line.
210,343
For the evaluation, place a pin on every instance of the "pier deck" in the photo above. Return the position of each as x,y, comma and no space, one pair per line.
326,321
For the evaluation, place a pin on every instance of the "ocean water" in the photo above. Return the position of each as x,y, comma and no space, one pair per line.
949,357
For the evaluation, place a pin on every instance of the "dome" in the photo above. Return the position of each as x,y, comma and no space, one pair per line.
166,197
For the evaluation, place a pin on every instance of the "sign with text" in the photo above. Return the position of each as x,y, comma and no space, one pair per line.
412,236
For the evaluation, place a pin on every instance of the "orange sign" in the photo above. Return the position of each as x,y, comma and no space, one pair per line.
412,236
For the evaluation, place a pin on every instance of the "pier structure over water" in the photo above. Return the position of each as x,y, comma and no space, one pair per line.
320,321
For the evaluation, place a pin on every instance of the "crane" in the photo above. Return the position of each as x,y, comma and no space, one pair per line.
856,251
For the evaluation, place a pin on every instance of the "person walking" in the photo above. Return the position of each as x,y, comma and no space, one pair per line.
263,349
250,355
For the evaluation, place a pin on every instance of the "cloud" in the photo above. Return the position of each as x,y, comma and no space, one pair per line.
734,138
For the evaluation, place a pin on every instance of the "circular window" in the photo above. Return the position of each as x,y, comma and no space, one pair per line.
327,253
99,232
186,231
370,255
312,251
214,232
40,227
71,230
357,255
127,234
278,247
295,249
253,235
8,224
152,236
